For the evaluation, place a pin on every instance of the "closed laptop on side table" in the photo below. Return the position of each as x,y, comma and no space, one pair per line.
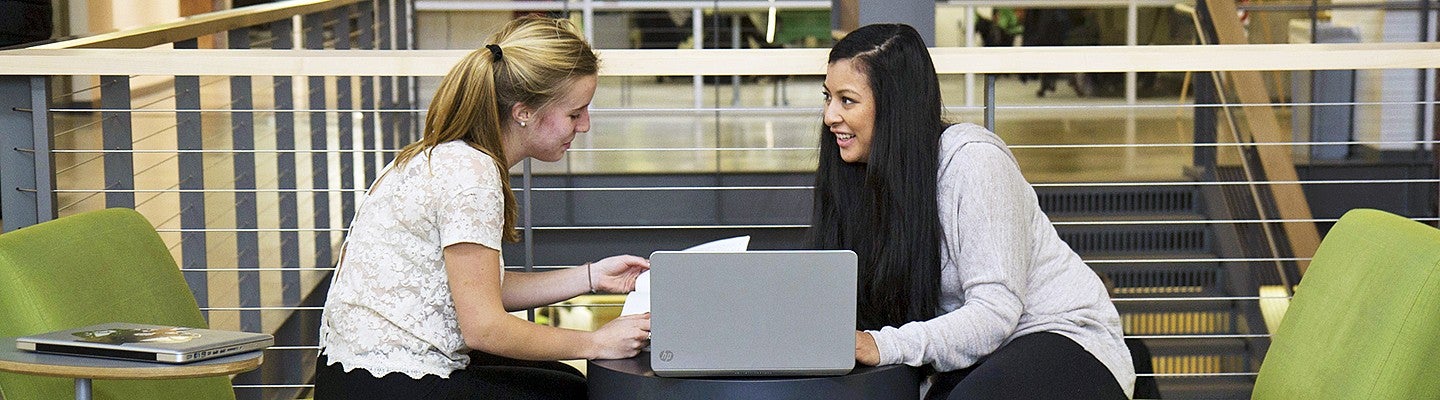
140,342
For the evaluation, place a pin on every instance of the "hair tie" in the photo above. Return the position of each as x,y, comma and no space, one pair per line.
495,53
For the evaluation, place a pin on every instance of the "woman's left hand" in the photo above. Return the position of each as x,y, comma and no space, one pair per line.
617,274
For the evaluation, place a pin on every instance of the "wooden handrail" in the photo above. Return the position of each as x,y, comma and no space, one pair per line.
624,5
199,25
1264,126
949,60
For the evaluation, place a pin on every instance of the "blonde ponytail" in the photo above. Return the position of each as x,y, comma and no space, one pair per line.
534,61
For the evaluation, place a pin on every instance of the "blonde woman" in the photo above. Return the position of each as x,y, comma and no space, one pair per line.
418,306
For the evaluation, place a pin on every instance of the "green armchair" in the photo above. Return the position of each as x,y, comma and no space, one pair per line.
90,268
1365,320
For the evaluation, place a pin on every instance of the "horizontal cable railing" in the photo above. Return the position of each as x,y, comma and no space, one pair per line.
797,111
714,149
791,226
734,188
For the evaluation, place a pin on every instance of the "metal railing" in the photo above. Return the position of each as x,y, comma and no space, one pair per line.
270,212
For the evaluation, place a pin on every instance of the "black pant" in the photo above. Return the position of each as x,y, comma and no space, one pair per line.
1036,366
487,377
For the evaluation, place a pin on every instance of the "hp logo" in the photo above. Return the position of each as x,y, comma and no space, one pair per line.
667,355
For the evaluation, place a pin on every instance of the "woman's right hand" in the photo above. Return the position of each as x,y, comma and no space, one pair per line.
866,351
622,337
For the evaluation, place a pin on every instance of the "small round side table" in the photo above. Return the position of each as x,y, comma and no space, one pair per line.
84,369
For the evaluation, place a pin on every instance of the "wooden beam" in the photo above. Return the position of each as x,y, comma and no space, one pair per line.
190,8
1275,161
199,25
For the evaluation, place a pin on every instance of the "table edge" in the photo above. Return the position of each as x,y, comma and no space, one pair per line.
159,371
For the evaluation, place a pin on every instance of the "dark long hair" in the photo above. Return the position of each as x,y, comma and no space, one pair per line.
885,209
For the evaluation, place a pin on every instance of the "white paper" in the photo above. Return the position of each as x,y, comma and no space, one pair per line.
638,302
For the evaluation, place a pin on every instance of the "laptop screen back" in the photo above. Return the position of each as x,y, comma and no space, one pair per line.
752,313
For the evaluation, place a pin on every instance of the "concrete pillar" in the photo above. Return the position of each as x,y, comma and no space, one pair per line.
851,14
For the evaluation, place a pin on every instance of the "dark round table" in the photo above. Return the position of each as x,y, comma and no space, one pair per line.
632,378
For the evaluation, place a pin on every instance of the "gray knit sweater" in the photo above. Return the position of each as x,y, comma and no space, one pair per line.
1005,273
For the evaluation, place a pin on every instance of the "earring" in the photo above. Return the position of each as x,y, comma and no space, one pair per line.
522,124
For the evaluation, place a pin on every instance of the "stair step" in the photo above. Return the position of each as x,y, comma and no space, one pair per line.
1177,303
1212,387
1189,322
1200,356
1127,200
1182,347
1184,256
1139,218
1132,239
1125,219
1163,280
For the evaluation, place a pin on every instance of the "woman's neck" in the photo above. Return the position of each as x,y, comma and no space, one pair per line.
511,143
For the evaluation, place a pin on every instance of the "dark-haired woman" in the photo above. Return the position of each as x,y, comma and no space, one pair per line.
960,271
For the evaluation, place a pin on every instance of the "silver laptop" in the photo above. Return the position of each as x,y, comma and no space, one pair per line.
752,313
139,342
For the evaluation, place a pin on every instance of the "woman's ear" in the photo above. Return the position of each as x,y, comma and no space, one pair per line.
522,114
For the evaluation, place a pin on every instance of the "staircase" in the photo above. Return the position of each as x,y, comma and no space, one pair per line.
1167,283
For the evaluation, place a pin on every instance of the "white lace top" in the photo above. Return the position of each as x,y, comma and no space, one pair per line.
389,307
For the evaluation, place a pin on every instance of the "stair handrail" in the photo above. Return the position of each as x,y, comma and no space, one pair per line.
1302,236
199,25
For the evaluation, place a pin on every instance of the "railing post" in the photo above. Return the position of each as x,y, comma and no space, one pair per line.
188,141
367,98
734,44
1425,112
697,31
118,141
389,137
27,173
1205,119
345,103
1434,91
587,17
406,87
990,102
313,26
242,140
528,223
289,208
